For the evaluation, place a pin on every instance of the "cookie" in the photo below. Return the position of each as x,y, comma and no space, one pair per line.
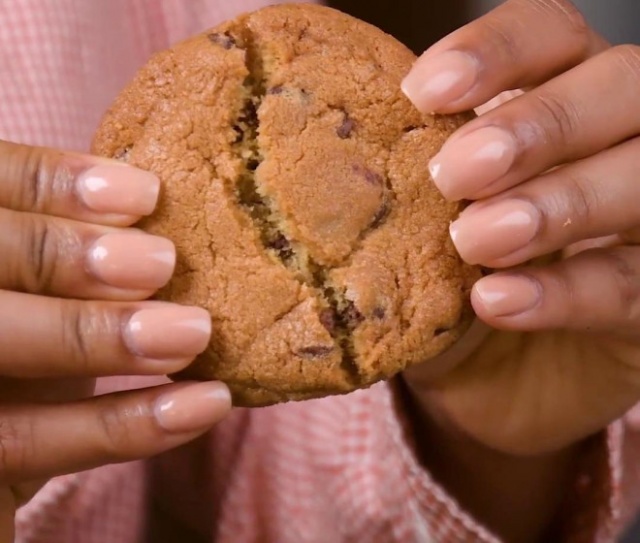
296,190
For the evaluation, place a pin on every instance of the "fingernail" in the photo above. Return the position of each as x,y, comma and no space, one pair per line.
192,408
490,232
168,332
508,295
436,81
466,165
132,261
118,189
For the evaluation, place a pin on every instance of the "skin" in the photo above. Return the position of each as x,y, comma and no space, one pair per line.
555,357
503,416
50,423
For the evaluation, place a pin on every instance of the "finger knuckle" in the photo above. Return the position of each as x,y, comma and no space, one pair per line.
565,283
503,40
628,59
559,118
91,337
573,23
40,261
16,442
42,175
627,282
77,325
575,19
117,435
580,200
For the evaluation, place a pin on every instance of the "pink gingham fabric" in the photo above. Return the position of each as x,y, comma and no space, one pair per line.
335,470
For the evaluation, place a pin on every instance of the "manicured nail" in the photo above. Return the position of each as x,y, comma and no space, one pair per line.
168,332
489,232
132,261
466,165
436,81
192,408
118,189
507,295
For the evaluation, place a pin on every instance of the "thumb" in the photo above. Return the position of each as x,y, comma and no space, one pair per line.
422,376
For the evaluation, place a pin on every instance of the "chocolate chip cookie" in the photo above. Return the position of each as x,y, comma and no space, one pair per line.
296,189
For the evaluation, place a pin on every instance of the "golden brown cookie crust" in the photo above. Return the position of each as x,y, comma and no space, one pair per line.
296,189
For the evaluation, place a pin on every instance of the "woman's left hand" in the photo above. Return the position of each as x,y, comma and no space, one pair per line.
555,170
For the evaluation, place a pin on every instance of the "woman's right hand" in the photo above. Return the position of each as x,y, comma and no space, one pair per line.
73,280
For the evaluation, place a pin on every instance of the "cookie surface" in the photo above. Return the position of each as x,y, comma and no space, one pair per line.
296,190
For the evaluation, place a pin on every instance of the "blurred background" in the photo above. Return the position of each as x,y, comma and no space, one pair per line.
419,23
618,20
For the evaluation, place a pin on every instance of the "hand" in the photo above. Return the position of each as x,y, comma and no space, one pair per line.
554,171
73,278
553,176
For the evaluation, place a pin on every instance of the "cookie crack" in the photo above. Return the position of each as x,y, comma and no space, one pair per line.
337,313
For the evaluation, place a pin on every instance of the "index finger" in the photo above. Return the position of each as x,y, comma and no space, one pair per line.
520,44
74,186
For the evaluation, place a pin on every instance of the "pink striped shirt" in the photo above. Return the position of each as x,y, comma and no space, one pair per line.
335,470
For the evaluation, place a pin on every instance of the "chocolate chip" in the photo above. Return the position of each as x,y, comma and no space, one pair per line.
328,320
249,114
370,176
282,245
252,164
379,313
315,351
345,129
224,40
409,128
351,316
239,133
278,89
381,214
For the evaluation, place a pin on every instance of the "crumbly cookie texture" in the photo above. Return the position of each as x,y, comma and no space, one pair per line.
295,187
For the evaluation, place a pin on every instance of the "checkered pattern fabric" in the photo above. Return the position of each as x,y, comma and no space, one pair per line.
334,470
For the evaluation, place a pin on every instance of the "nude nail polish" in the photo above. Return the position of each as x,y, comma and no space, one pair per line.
468,164
118,189
507,295
132,261
435,81
192,408
167,332
489,232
